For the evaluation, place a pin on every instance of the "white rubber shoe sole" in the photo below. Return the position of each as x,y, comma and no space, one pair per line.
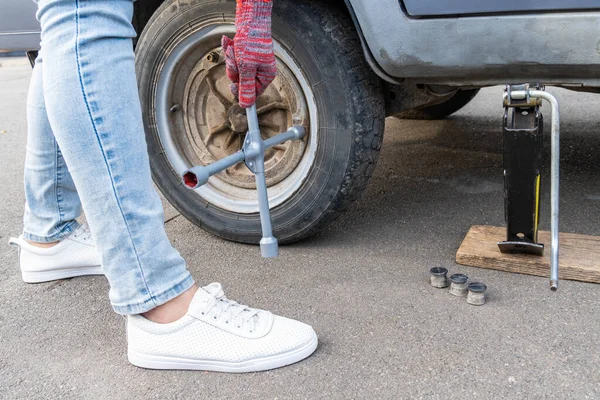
53,275
259,364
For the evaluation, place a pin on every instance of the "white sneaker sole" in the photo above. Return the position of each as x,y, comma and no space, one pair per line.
259,364
56,274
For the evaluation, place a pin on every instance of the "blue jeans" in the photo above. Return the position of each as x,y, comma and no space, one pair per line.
86,148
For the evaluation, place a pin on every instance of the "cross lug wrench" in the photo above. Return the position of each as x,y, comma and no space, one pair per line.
253,155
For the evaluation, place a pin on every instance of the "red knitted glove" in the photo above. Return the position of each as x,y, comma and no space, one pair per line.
249,58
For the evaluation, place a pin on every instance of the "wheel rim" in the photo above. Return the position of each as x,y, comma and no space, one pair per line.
198,123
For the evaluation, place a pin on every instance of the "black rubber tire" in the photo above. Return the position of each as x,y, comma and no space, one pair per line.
349,104
442,110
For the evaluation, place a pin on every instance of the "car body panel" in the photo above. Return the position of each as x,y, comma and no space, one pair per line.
429,8
555,48
19,30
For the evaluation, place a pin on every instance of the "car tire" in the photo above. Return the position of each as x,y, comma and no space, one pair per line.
439,111
346,126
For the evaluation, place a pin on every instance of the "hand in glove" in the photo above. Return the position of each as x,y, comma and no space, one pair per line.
249,58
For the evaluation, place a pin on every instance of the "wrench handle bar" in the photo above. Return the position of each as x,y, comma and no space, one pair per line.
296,132
254,150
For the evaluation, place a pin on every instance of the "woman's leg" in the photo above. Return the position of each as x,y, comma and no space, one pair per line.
92,103
52,246
52,203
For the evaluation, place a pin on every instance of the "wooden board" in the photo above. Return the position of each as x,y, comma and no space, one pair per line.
579,257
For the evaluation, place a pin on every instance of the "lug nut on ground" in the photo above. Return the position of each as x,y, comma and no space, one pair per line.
438,277
476,294
458,285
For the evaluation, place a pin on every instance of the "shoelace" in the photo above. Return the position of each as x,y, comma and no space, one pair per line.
83,233
238,314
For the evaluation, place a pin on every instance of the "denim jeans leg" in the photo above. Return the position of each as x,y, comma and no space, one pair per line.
91,97
51,201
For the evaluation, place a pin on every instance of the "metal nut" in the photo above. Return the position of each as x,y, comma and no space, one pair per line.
476,294
438,277
213,57
458,285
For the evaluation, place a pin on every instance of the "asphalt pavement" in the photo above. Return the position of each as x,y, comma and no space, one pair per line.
384,332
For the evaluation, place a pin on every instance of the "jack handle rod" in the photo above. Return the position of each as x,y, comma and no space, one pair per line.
554,174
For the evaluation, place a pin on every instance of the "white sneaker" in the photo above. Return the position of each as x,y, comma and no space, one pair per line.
74,255
218,334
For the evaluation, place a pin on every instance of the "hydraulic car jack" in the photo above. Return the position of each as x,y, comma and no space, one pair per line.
253,154
523,130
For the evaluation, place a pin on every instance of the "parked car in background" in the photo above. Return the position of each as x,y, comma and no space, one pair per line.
343,66
19,30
